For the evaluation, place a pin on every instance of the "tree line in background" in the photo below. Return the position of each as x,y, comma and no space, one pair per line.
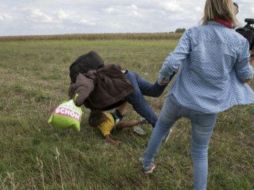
180,30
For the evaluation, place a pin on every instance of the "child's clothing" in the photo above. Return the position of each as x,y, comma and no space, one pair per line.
107,126
110,122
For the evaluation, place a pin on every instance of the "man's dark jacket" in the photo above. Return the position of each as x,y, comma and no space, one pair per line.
101,89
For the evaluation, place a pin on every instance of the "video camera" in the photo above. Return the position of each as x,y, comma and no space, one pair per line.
248,31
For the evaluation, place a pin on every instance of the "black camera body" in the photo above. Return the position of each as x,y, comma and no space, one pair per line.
248,31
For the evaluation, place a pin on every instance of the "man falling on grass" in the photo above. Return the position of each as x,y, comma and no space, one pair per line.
106,86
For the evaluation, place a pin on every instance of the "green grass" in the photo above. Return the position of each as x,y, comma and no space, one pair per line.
34,79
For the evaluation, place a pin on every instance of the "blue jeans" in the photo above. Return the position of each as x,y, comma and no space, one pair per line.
143,88
202,129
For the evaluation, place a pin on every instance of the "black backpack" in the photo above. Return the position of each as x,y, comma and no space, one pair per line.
85,63
248,31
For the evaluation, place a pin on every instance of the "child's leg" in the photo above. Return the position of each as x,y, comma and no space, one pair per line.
122,109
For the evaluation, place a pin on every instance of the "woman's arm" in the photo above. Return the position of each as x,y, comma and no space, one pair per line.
173,62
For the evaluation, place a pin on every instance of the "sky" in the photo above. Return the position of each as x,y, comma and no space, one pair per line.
42,17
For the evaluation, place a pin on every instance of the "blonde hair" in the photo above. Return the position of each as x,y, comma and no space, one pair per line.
223,9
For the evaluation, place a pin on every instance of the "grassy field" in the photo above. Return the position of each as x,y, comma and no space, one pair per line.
34,79
105,36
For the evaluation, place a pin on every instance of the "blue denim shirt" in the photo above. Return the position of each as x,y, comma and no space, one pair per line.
214,63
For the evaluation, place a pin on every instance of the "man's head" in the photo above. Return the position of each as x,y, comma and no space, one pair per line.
85,63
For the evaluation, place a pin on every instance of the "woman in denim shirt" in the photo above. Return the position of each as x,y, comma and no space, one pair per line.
214,62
